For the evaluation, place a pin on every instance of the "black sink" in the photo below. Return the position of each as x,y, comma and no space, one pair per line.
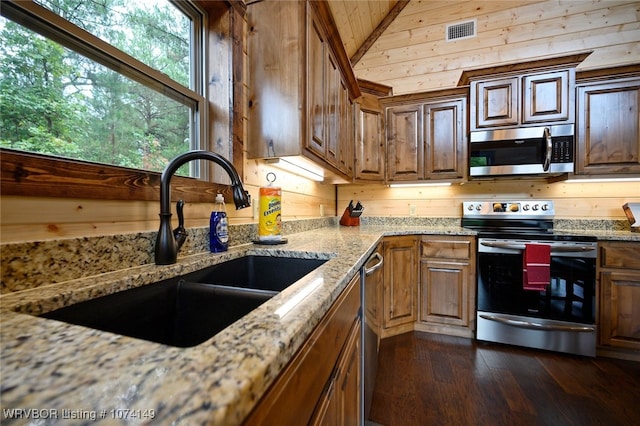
187,310
258,272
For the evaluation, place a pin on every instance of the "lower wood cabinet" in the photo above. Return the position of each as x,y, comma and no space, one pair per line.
400,284
321,384
429,285
446,296
340,404
619,299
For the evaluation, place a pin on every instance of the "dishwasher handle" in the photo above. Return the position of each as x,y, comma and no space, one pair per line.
372,269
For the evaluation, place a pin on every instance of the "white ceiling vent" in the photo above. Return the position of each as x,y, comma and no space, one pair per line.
461,30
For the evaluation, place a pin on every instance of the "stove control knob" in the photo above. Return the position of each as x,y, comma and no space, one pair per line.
525,207
535,207
470,207
479,207
545,207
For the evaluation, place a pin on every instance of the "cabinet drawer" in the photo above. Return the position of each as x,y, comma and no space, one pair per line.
620,255
445,248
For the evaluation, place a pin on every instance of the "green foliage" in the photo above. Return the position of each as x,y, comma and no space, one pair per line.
55,101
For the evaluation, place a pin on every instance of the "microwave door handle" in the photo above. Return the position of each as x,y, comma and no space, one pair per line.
547,156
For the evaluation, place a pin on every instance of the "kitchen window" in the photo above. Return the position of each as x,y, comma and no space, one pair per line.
106,85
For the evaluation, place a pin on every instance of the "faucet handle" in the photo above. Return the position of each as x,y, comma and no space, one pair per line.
180,234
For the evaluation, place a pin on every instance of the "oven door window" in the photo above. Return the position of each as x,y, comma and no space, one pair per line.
570,296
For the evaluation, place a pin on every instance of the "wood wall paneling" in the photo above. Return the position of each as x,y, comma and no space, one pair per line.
45,218
572,200
412,54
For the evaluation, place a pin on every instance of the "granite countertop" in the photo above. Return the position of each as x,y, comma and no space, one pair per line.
603,234
81,373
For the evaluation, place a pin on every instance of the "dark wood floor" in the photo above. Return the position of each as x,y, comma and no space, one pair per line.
429,379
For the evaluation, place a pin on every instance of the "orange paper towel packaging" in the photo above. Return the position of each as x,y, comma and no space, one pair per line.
270,221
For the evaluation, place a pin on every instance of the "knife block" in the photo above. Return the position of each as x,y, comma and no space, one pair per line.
347,220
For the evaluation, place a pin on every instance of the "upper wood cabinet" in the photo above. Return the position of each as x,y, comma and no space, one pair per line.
522,100
316,94
495,103
523,94
427,136
608,126
346,146
301,86
445,139
548,97
405,148
370,156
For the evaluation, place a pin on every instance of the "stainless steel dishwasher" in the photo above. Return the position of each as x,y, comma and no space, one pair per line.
371,277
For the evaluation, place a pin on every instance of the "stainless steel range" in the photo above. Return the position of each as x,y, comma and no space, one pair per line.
535,287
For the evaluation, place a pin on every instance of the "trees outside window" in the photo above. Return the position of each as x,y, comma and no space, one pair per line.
136,103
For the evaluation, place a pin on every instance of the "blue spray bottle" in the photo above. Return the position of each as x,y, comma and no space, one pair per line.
218,227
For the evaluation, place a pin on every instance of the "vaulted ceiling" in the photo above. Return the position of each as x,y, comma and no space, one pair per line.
401,43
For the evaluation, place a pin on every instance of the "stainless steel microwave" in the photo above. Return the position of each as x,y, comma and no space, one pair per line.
546,150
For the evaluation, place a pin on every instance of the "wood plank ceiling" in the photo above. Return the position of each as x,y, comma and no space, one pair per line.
401,43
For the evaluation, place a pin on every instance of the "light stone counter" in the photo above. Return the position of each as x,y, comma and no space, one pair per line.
80,374
603,230
603,234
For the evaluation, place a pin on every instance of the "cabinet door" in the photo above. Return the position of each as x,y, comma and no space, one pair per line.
346,138
340,405
620,309
608,131
303,383
404,143
332,111
495,103
316,69
400,280
369,144
547,97
445,140
349,381
276,47
444,292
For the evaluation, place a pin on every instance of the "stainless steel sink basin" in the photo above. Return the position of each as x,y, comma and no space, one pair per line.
187,310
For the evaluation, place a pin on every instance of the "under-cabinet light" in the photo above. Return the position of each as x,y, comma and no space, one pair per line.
602,180
298,297
298,166
407,185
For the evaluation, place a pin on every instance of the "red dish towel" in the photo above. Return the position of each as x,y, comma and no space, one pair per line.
536,260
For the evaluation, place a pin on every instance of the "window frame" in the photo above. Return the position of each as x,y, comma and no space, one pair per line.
33,174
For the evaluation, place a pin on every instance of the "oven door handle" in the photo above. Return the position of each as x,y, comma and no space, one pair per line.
537,326
557,249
